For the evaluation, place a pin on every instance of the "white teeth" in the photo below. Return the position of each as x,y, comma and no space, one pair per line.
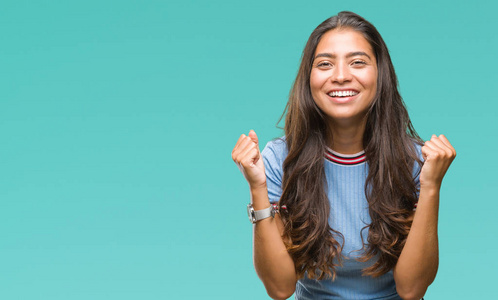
343,93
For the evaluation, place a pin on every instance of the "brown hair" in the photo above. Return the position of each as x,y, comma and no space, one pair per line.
388,141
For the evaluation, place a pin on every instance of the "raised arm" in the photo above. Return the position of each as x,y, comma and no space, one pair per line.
418,263
272,262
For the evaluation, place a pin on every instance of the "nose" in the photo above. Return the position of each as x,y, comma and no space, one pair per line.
341,73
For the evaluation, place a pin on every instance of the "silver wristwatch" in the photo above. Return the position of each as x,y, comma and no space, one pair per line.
257,215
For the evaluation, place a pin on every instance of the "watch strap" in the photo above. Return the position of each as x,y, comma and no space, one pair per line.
263,213
257,215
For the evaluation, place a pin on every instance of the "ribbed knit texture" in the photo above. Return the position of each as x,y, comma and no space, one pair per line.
348,215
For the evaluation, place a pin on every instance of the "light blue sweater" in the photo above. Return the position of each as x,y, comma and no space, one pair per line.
346,177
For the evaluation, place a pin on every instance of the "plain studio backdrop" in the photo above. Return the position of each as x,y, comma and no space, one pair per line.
118,118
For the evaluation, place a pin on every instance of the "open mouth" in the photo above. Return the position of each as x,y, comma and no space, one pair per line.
348,93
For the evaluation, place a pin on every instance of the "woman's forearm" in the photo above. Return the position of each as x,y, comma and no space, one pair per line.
272,262
418,263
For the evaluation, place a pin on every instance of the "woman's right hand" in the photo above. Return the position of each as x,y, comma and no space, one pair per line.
248,158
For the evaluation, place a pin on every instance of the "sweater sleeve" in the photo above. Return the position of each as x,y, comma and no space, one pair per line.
273,157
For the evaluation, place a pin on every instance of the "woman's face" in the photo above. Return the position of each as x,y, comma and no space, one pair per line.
343,77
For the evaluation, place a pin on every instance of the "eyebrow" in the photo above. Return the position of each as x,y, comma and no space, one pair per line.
350,54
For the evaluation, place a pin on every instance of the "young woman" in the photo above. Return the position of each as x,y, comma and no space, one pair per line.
357,189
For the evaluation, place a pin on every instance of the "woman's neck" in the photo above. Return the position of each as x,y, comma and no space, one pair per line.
347,138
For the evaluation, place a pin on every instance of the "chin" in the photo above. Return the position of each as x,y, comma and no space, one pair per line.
347,117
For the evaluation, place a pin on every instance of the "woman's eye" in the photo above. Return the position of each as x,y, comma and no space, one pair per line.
324,64
359,63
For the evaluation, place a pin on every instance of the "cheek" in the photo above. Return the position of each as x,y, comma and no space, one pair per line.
369,81
317,79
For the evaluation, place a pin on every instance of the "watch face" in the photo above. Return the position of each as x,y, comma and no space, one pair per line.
250,213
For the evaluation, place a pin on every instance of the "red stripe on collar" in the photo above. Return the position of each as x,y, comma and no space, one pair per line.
345,159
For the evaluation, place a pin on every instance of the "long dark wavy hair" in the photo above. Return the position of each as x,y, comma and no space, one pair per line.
389,142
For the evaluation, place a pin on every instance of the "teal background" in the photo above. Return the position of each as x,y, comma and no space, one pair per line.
117,121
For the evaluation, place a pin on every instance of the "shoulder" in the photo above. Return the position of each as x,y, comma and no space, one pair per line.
276,149
274,155
417,164
418,148
418,145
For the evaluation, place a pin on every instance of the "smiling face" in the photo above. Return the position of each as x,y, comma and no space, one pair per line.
343,77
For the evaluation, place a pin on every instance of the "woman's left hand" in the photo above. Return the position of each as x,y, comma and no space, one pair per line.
438,155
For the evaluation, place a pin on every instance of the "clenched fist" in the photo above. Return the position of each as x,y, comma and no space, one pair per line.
438,155
248,158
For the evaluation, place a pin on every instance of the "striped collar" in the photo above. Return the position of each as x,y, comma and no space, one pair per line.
345,159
